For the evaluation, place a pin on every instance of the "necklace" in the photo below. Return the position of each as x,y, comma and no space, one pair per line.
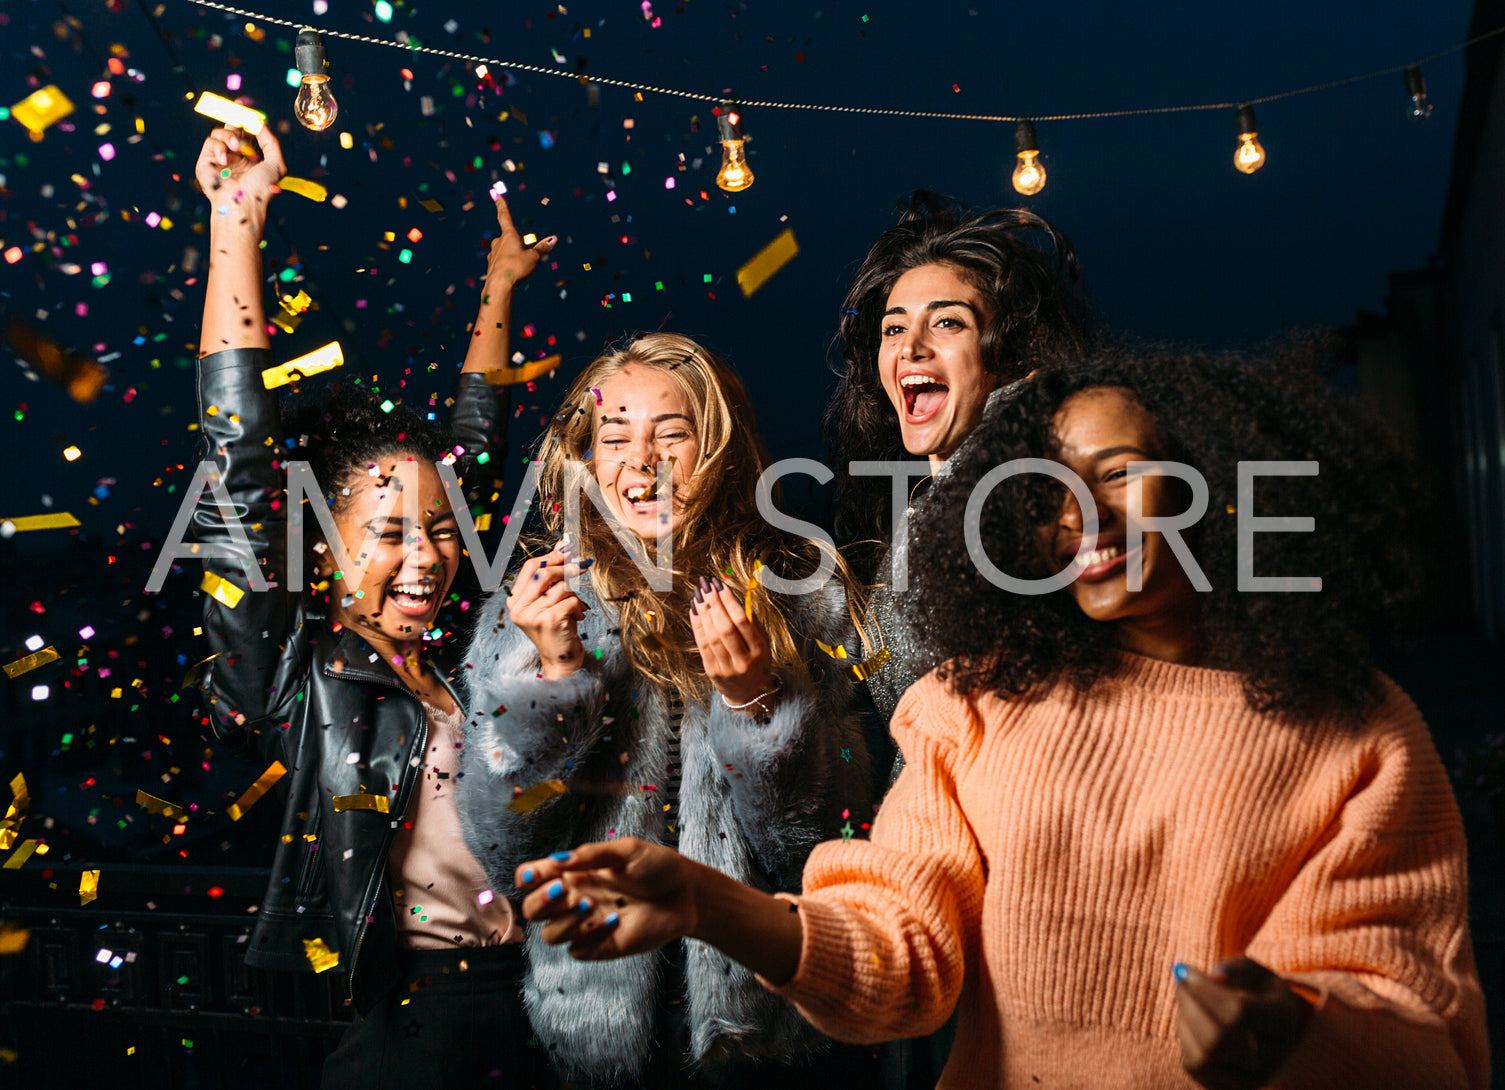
909,510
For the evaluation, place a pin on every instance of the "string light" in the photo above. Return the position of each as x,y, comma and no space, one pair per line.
1416,88
735,174
1029,172
315,107
1249,156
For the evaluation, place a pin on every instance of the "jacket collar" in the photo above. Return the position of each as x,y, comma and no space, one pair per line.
355,656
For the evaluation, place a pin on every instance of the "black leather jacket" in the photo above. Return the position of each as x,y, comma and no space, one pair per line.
284,687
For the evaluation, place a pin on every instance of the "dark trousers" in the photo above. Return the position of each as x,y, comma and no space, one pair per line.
458,1027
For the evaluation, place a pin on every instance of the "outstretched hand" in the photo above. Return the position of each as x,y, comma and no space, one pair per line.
611,899
548,612
224,165
733,647
511,261
1237,1024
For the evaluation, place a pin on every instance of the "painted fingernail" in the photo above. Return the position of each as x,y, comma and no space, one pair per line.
560,857
718,585
528,876
1179,971
587,563
564,544
584,907
556,891
612,920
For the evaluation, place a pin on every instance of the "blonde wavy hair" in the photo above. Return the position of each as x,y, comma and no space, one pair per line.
717,532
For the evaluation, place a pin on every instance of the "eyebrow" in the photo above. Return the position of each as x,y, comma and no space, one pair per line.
392,520
1110,452
659,419
937,304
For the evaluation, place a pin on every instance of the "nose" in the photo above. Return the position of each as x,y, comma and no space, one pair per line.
1071,518
915,342
420,551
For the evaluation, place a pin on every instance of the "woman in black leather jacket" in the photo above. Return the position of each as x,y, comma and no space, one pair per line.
329,681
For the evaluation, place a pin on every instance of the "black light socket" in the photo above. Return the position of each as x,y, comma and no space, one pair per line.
309,53
1246,123
1024,137
729,122
1416,83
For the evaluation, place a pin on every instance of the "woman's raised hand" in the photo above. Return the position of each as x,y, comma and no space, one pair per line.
223,163
611,899
512,262
1237,1024
548,611
733,646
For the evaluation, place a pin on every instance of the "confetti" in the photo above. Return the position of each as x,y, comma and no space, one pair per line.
82,377
20,855
319,955
154,805
509,376
60,521
321,359
865,669
535,796
767,261
42,108
31,661
230,113
275,771
221,590
304,188
88,886
13,938
837,652
379,803
752,585
15,812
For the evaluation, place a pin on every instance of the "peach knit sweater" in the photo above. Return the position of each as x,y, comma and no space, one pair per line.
1043,864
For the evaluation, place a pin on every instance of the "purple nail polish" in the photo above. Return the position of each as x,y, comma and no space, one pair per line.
718,585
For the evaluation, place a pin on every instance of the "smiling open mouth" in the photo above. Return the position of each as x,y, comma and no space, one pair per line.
413,599
923,396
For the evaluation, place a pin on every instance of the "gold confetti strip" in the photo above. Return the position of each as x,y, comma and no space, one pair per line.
42,108
767,261
60,521
196,671
862,671
275,771
222,590
304,188
230,113
155,805
837,652
511,376
752,585
88,886
20,855
15,812
31,661
13,938
536,796
380,803
320,359
320,956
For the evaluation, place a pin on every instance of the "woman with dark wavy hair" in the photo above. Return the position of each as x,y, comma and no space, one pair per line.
947,313
1157,821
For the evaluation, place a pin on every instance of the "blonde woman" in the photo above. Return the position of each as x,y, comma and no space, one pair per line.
690,711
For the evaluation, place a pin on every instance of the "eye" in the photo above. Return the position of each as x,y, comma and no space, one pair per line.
612,441
1121,473
673,436
892,329
444,533
392,535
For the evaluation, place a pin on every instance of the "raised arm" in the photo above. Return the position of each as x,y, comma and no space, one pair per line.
239,188
510,263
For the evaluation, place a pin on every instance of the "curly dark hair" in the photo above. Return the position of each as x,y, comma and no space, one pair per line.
1301,654
1035,316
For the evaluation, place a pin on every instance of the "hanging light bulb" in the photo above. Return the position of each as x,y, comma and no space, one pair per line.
315,106
735,174
1249,156
1416,88
1029,172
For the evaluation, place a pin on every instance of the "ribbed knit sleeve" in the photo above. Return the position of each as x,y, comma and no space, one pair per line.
1377,920
890,924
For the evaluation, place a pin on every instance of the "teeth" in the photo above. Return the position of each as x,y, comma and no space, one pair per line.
413,590
920,380
636,493
1098,556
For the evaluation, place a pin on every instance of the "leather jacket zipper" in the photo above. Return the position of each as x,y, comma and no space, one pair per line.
373,883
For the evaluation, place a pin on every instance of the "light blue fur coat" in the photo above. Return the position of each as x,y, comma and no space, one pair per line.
755,798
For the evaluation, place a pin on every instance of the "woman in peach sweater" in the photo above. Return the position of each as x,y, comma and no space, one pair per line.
1182,832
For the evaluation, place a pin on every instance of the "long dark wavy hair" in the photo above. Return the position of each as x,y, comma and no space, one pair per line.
1302,654
1034,316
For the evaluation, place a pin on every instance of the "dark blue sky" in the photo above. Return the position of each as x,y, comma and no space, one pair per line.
1174,243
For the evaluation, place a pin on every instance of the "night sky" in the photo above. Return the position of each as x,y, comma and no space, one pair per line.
1174,243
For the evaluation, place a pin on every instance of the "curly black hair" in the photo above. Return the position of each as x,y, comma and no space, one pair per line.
1301,654
1035,316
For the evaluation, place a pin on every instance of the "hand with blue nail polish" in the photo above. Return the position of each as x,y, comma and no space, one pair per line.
1238,1024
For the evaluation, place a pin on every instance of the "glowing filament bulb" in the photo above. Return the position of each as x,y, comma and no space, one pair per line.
315,107
1249,156
1416,90
1029,172
735,174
